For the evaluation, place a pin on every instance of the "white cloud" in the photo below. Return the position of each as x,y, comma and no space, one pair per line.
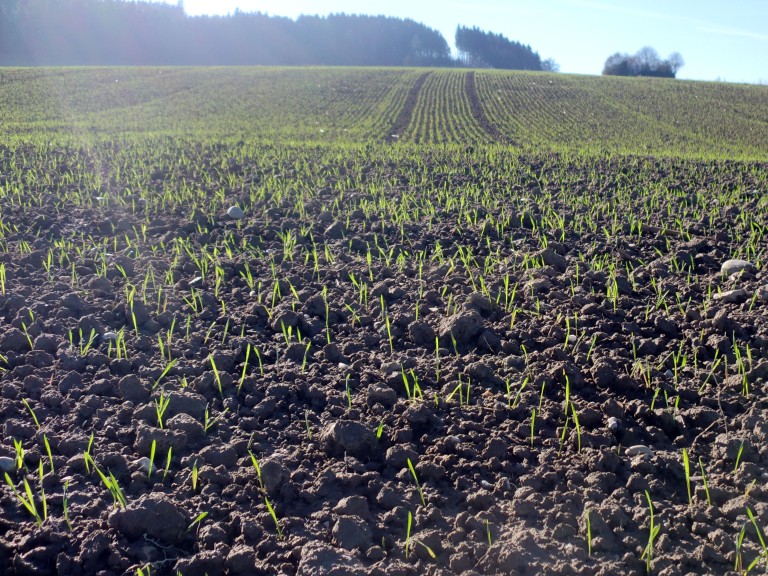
733,32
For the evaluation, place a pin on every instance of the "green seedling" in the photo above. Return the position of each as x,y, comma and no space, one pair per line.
167,462
29,338
65,505
704,480
274,518
216,375
43,499
256,467
152,451
198,519
110,482
764,554
588,530
738,457
32,413
209,422
48,452
408,527
687,469
245,367
161,405
194,476
577,426
416,480
87,454
739,564
27,500
653,532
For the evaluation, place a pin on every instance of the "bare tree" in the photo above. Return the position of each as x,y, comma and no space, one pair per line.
549,65
675,62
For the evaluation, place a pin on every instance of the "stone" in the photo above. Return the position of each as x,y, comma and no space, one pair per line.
732,296
235,212
7,465
735,265
638,450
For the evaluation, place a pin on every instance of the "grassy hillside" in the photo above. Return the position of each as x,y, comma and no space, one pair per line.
530,110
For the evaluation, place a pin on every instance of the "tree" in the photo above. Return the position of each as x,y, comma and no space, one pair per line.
488,50
646,62
675,61
549,65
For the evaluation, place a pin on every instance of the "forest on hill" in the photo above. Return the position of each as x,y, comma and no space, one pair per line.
118,32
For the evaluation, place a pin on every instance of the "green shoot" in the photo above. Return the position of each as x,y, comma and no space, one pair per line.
416,479
274,518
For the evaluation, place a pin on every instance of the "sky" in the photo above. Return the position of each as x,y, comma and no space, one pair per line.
718,39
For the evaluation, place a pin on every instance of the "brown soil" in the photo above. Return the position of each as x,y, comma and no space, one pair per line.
403,119
334,426
479,114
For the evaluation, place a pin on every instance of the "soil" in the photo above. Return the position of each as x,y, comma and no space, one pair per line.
387,441
479,114
403,119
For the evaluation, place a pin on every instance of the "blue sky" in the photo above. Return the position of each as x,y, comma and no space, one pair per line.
718,39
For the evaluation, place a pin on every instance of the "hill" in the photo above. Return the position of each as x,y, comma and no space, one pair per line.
528,110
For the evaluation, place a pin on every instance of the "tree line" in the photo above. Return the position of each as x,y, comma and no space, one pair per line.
120,32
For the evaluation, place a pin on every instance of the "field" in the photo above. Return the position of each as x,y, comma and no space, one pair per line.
381,321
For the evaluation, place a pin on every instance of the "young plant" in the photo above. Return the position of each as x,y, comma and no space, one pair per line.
194,476
209,422
216,375
256,467
161,404
245,368
198,519
416,479
764,554
274,517
408,527
167,462
653,532
687,469
27,501
588,530
31,412
704,480
65,505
